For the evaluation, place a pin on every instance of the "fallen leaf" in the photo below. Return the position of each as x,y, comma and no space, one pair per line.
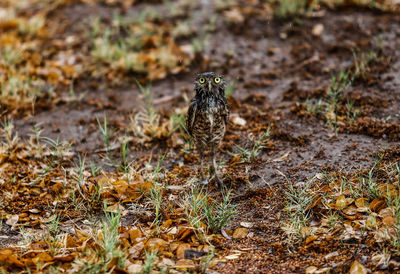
361,202
311,269
233,256
377,204
12,220
238,121
155,244
134,234
135,268
389,221
247,224
357,268
240,233
317,29
310,239
135,250
180,251
184,264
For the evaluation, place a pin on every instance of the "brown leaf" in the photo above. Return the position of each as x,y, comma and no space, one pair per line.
8,256
155,244
240,233
311,239
180,251
350,210
361,202
377,204
42,257
389,221
385,212
12,220
135,250
341,202
134,234
311,269
184,264
357,268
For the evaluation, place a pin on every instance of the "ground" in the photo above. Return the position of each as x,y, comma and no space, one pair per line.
98,173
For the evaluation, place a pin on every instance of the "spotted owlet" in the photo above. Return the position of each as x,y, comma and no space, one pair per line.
207,117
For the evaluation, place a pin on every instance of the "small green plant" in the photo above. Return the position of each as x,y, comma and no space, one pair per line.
338,85
314,106
124,156
34,24
155,196
53,231
109,249
95,197
199,208
53,226
105,133
352,113
94,170
218,214
146,123
299,200
10,56
362,62
288,8
7,131
230,88
250,151
58,149
371,185
199,43
149,262
27,239
80,177
205,261
74,97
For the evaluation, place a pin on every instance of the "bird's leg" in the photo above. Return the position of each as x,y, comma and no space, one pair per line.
203,180
219,182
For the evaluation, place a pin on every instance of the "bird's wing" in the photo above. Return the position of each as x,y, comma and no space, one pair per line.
191,116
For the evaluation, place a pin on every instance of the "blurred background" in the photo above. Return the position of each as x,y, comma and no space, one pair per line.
53,46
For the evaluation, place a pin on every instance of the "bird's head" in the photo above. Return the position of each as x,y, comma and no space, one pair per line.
210,82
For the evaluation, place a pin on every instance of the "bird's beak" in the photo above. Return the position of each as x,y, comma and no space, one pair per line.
209,85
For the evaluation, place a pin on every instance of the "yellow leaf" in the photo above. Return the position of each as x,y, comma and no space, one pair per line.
240,233
357,268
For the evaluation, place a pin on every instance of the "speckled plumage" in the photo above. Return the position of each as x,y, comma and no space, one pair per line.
208,115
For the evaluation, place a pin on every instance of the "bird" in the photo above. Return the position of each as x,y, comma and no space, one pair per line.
207,117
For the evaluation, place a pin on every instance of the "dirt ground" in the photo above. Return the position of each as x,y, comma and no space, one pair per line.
282,69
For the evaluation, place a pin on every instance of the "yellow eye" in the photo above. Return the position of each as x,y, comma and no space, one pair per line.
217,80
202,80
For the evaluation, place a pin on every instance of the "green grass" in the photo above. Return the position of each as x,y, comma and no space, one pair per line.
249,152
199,208
149,262
298,201
105,133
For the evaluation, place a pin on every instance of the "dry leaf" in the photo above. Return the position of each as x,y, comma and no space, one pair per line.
317,29
12,220
358,268
155,244
240,233
180,252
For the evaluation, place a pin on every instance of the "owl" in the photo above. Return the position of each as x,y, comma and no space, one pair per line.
207,117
